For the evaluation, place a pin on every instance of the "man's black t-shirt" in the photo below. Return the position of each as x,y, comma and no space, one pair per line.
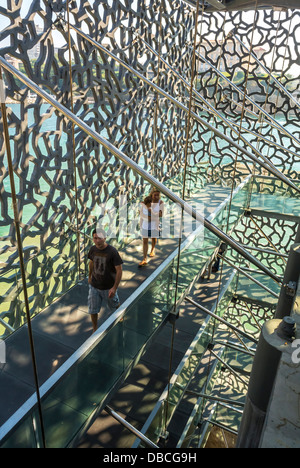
104,263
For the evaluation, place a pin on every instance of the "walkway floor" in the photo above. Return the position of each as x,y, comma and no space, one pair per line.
60,330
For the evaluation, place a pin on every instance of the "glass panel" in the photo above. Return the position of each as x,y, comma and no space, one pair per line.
12,314
75,398
23,436
180,381
86,386
249,289
49,275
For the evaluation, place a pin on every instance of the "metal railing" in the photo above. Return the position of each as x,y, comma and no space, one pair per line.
91,344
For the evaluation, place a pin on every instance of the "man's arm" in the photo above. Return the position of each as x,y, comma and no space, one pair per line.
119,272
91,266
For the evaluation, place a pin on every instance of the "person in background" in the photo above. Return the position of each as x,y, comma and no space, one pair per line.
151,212
105,273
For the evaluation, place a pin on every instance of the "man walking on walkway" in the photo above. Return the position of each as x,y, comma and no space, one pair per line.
105,273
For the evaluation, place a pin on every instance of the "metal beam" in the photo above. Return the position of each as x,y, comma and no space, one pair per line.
215,398
280,85
231,125
266,165
289,287
273,215
131,428
245,5
135,167
248,111
220,319
228,367
221,426
260,137
249,99
248,276
266,251
216,4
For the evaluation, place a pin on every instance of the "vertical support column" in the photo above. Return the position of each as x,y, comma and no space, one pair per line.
275,337
74,147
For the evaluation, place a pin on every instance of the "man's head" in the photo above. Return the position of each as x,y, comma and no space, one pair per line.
99,238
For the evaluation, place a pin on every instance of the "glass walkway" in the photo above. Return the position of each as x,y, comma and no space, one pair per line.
199,103
164,357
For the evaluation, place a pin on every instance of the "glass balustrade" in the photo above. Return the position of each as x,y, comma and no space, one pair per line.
49,275
225,386
81,386
85,381
247,305
162,414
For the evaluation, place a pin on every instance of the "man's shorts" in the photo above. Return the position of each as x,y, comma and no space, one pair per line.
150,233
98,298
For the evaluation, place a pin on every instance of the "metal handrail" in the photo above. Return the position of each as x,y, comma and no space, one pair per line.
220,319
102,331
240,270
130,427
212,109
266,165
248,98
259,62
